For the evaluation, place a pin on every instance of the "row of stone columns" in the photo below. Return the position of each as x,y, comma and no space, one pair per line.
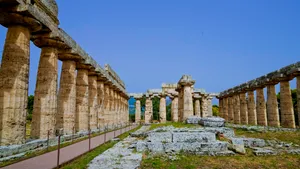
240,108
77,106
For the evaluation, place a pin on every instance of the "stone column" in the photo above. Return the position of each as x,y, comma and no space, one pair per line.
112,106
14,73
174,113
162,109
148,110
180,106
272,106
100,91
244,109
82,99
93,101
137,110
237,109
230,109
252,118
221,113
45,95
209,106
225,108
261,107
286,105
66,105
197,107
298,98
204,105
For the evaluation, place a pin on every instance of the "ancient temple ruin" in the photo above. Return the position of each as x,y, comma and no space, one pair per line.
183,96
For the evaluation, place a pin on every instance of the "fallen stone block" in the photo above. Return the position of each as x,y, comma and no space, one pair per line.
190,137
237,145
193,120
212,122
264,152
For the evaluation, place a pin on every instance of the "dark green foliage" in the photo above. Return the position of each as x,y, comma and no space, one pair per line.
155,105
30,107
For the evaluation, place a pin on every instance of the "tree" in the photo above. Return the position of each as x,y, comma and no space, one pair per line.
215,109
30,107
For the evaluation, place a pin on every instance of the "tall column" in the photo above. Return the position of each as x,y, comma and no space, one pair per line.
204,105
66,105
137,110
100,91
221,111
112,107
14,73
230,109
261,107
244,109
162,109
286,105
225,108
252,118
82,100
298,98
117,108
148,110
174,113
180,94
45,95
272,106
93,101
197,107
209,106
237,109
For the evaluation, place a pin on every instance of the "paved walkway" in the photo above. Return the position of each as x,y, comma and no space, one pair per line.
49,160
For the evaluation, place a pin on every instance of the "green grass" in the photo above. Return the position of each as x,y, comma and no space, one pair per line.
286,136
50,148
174,124
82,161
238,162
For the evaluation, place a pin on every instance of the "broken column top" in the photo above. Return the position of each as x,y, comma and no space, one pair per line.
186,80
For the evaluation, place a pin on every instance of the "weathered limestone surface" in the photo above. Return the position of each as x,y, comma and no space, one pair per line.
272,107
204,105
100,113
137,111
45,96
106,105
261,107
14,74
252,118
221,112
66,109
82,100
148,111
286,105
209,106
244,110
162,109
185,89
174,111
197,108
225,108
230,109
93,102
236,107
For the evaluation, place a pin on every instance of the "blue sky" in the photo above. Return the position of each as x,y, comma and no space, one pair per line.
220,43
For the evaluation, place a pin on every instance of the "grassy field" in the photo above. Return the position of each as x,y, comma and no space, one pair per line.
82,161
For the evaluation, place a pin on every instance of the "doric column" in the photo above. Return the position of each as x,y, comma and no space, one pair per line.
137,110
197,107
162,109
117,107
243,108
14,73
286,105
221,111
204,105
236,109
272,106
230,109
252,118
107,103
45,95
112,106
261,107
209,106
100,91
93,100
225,108
148,110
298,98
174,111
66,105
82,99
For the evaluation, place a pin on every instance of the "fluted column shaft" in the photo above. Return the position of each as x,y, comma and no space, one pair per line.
243,108
14,73
82,100
221,113
252,117
187,102
197,108
298,98
237,109
148,110
272,107
209,106
230,109
93,102
45,95
261,107
286,105
174,113
100,114
204,105
225,108
162,110
137,111
66,108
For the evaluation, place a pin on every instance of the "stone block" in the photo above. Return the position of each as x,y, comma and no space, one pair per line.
141,146
155,147
237,145
193,120
254,142
212,122
190,137
264,152
164,137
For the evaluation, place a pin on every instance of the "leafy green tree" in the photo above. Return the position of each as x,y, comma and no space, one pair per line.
169,112
215,109
155,106
30,107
